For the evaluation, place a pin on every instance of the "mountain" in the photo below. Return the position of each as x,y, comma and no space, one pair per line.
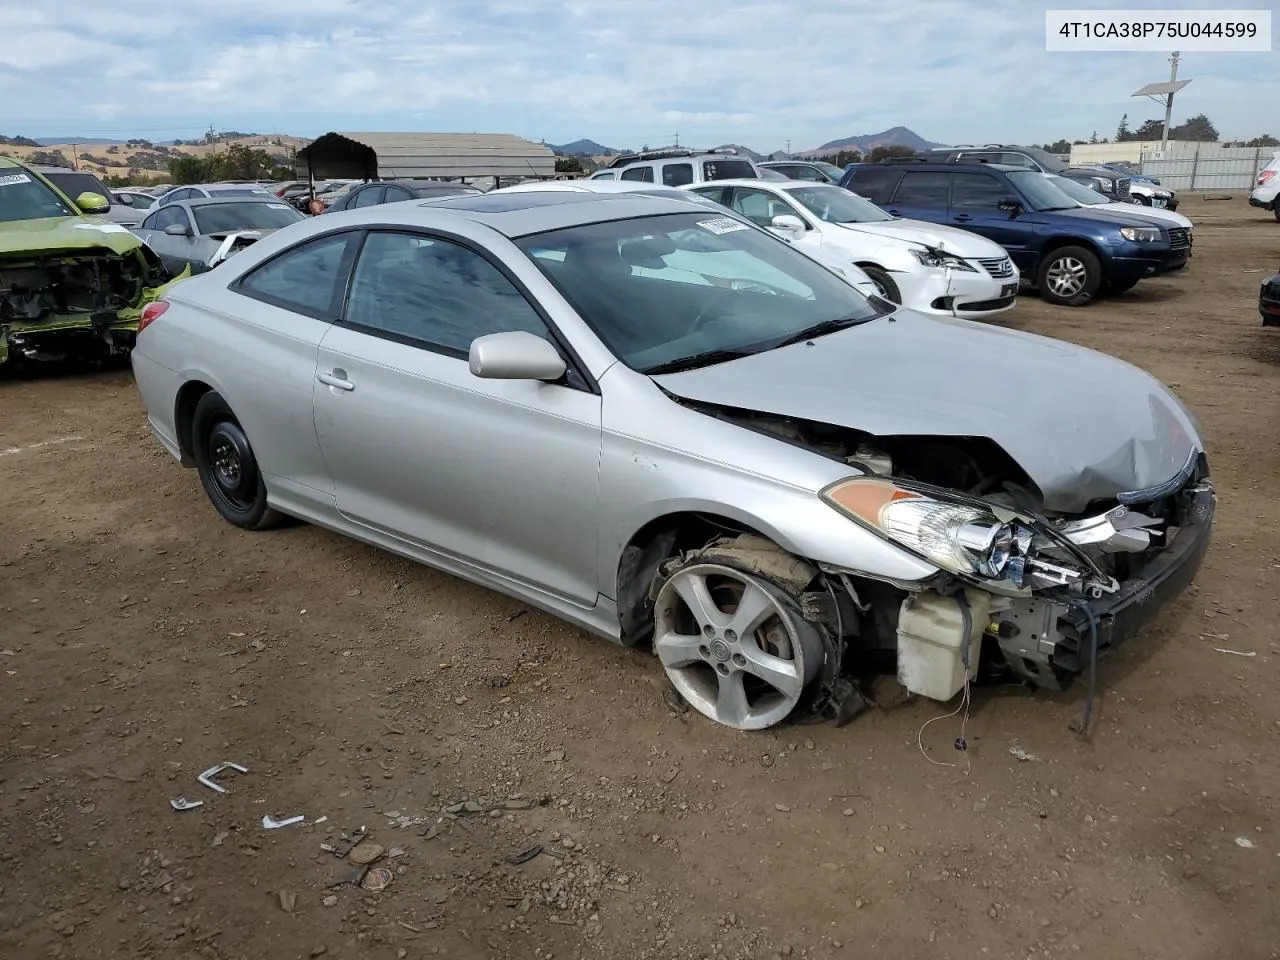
582,148
893,137
742,151
83,141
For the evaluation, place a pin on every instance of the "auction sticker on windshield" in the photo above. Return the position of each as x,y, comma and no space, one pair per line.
722,225
12,178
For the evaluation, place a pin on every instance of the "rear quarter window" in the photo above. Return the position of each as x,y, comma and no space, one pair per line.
877,185
727,170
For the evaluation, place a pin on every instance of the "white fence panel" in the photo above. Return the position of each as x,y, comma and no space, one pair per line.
1206,166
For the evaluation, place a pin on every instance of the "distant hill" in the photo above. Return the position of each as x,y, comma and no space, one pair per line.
747,152
582,148
83,141
893,137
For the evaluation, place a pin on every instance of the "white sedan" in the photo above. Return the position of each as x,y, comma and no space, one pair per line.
930,268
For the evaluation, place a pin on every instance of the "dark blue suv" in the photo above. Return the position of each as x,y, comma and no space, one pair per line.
1071,253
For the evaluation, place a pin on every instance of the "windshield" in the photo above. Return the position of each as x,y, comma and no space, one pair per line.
830,169
661,289
73,184
837,205
1039,193
1078,191
1048,162
23,197
222,217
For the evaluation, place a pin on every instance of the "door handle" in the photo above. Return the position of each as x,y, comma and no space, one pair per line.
962,218
894,213
336,379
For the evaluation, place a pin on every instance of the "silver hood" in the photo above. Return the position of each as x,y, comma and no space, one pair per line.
1083,425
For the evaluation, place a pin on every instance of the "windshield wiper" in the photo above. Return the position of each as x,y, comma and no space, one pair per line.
824,328
704,359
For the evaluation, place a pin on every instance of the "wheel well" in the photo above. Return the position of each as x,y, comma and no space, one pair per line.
1058,243
184,412
657,540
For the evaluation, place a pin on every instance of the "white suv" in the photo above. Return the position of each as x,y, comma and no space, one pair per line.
1267,193
678,168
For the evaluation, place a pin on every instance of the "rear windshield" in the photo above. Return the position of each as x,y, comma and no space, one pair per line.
73,184
221,217
727,170
23,197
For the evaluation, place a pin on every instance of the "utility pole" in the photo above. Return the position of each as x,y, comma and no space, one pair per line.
1168,105
75,156
676,140
788,146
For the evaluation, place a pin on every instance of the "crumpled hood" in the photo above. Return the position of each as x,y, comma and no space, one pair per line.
962,243
71,234
1083,425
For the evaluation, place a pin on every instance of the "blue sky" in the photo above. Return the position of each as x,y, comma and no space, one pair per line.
758,72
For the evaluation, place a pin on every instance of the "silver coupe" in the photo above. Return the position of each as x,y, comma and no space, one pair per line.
673,429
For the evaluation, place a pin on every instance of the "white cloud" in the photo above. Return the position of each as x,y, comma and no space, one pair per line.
753,71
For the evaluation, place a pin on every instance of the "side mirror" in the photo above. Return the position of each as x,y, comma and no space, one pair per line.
788,223
1009,205
92,203
178,230
516,355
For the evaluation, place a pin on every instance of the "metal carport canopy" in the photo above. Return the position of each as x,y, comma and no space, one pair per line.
388,156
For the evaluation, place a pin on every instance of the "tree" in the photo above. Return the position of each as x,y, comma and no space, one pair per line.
1150,130
568,165
1198,128
885,153
52,158
1122,131
1266,140
186,169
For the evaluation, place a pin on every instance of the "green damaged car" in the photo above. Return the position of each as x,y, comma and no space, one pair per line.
71,284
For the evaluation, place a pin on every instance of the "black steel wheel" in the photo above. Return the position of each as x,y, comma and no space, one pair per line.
227,466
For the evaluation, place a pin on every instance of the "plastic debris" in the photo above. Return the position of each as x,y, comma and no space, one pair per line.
182,803
207,777
1244,842
271,823
377,879
1021,755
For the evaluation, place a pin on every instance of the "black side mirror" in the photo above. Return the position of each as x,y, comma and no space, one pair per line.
1009,205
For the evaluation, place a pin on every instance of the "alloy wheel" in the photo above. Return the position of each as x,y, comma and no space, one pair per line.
1066,276
731,647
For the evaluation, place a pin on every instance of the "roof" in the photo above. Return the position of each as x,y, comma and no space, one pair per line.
517,214
392,156
219,201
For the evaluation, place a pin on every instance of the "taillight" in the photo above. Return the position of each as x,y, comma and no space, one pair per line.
1264,176
152,311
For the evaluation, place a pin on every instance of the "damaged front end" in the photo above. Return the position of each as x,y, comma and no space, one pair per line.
75,302
1022,592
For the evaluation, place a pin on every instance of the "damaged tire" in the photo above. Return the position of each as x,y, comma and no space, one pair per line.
732,641
1069,276
227,466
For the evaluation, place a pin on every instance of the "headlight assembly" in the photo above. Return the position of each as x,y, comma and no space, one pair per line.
930,257
1141,234
988,544
1105,184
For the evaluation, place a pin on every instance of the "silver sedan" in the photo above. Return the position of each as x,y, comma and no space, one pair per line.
669,427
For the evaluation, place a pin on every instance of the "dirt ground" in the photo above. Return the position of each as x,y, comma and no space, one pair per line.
142,640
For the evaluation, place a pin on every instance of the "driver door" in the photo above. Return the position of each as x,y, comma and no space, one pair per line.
175,252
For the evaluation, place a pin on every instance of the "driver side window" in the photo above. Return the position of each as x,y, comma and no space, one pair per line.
760,207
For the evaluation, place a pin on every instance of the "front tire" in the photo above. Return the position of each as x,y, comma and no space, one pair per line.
1275,208
1139,198
1070,276
880,277
227,466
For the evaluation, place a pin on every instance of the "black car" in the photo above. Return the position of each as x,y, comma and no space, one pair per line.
391,191
1070,252
1269,302
1106,182
1112,185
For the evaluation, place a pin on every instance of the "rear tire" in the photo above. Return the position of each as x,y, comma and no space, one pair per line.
881,279
227,466
1069,276
1275,208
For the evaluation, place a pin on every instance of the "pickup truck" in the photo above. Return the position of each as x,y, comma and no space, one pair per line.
1072,254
